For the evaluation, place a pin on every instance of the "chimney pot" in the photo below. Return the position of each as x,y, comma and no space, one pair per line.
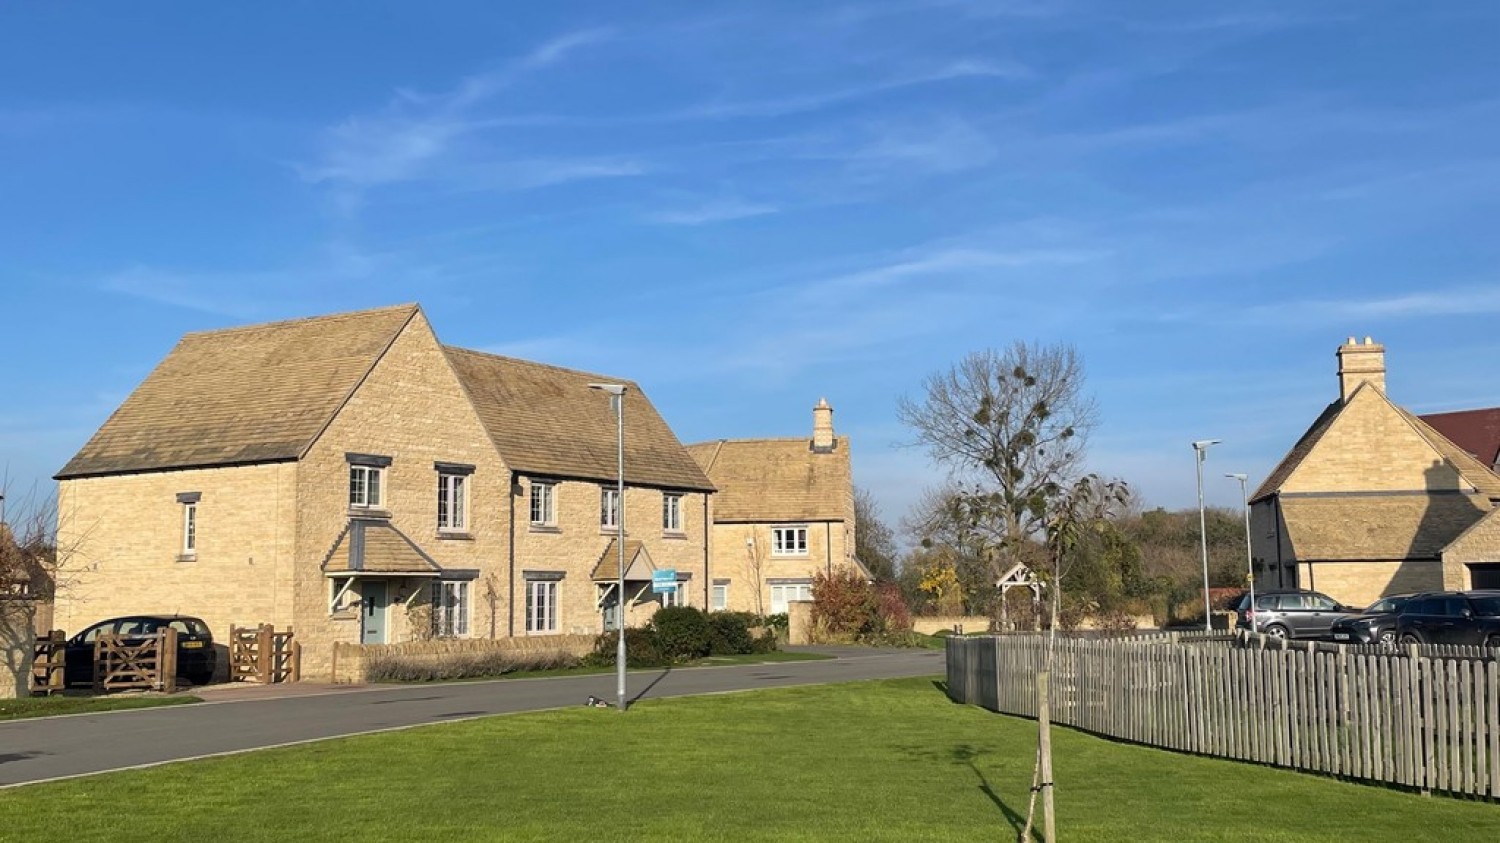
822,441
1359,364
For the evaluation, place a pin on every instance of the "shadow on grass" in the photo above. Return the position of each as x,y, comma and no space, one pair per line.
942,687
965,755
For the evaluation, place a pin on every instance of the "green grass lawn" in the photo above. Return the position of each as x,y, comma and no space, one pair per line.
52,706
866,761
582,670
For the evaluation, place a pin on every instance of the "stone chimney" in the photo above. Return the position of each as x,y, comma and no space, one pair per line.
1360,362
822,441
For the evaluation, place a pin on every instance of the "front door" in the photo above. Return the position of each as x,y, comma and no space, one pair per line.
373,599
611,609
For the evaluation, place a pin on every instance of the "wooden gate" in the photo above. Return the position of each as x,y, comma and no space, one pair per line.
136,661
264,655
48,663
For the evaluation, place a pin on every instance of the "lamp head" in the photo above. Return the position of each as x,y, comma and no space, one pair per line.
1240,477
615,389
1202,444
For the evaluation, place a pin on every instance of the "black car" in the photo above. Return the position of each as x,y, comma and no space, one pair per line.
1451,617
196,659
1375,625
1291,613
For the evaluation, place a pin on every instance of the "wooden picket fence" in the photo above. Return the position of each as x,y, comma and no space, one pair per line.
1426,718
264,655
136,661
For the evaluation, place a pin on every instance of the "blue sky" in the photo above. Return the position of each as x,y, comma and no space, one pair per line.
748,206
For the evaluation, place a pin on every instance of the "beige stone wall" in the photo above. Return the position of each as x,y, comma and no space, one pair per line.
749,566
1370,447
17,646
122,540
966,624
575,546
349,660
1481,543
412,409
1362,583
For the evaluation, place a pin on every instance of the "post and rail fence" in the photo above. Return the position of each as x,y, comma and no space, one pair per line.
1423,717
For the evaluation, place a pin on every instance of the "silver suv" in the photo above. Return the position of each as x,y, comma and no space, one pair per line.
1291,613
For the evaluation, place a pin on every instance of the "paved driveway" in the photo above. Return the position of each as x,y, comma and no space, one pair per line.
61,747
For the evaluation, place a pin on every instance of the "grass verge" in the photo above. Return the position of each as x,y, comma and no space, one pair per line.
53,706
891,760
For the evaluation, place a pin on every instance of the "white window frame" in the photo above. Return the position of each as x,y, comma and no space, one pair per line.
190,528
677,596
789,540
451,608
720,596
671,512
543,498
453,502
542,600
783,593
360,486
609,508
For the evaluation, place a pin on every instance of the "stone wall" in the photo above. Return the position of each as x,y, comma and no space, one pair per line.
962,624
17,644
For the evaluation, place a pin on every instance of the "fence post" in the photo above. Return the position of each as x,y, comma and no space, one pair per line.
166,659
296,659
264,657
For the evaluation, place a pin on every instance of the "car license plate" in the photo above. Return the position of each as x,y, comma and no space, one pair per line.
191,645
1341,636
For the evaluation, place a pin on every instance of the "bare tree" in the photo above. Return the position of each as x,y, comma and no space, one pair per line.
1011,427
874,543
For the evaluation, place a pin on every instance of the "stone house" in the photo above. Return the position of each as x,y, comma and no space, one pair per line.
783,512
1374,500
355,479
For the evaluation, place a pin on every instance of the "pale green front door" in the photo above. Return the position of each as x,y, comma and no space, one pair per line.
374,605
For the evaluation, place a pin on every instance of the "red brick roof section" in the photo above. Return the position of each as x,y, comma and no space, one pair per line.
1476,431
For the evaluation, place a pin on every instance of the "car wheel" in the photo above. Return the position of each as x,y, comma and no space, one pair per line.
1276,630
1492,641
1411,638
1388,638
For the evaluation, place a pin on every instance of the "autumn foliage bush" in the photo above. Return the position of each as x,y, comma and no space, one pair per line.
846,607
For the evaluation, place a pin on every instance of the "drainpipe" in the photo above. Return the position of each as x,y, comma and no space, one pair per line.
828,547
510,598
1280,563
708,585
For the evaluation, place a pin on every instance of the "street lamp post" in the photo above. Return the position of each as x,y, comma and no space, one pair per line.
1249,555
1200,449
617,398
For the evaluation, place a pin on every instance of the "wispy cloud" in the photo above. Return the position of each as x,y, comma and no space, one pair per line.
1455,301
712,211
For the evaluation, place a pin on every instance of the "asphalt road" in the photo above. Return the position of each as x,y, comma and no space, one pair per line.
61,747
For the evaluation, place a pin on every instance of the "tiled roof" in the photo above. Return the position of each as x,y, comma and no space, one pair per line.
638,564
255,394
379,548
1372,527
768,480
1476,431
545,420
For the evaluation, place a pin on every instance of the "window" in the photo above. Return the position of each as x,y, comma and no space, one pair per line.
541,606
721,595
789,541
609,509
543,504
786,592
189,501
190,529
450,609
364,486
452,503
676,597
671,513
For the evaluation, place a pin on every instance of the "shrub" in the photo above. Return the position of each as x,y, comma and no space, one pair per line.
682,633
729,634
844,605
777,622
891,607
640,649
428,668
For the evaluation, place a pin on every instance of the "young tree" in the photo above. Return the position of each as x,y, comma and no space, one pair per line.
1011,427
874,543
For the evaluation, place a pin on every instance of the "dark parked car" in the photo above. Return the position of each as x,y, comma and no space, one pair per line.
1375,625
1451,617
195,646
1291,613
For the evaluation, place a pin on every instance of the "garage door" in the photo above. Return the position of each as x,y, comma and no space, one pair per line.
1484,575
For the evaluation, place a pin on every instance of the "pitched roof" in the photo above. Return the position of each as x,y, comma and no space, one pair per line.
638,564
545,420
1476,431
377,547
1475,473
761,480
1357,527
260,393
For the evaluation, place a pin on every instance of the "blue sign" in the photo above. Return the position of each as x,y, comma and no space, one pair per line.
664,581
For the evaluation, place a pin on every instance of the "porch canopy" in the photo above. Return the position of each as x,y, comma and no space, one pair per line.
374,549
